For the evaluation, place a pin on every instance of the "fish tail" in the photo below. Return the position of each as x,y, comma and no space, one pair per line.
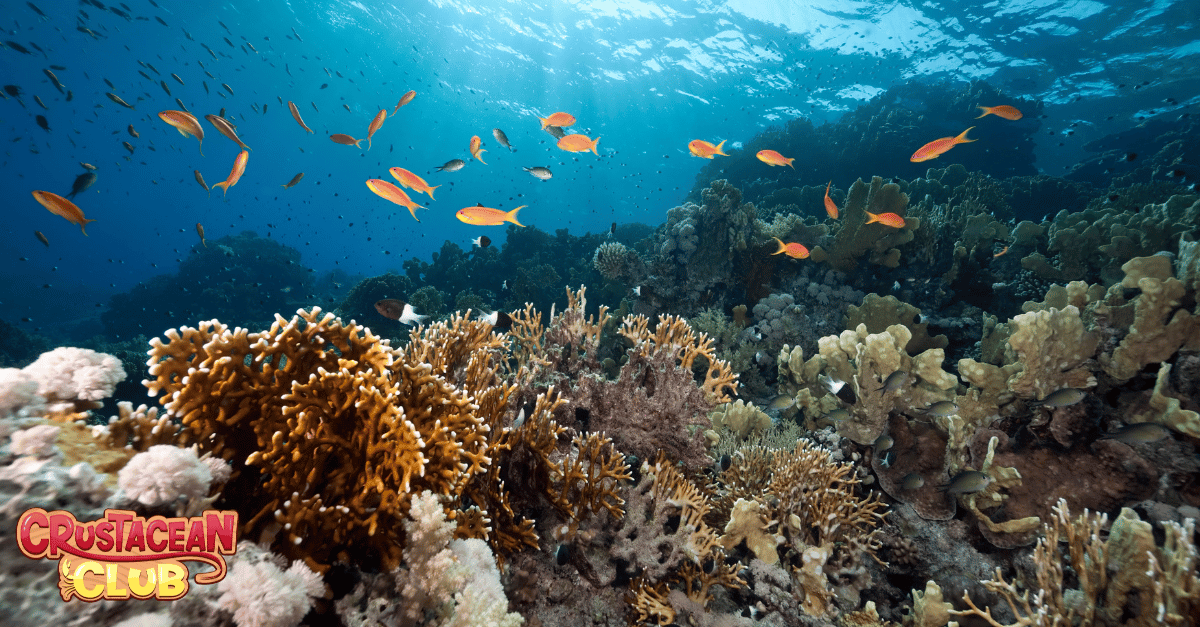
986,111
718,151
511,216
781,246
872,217
368,143
962,137
202,148
790,163
430,191
594,147
545,123
83,222
223,185
358,143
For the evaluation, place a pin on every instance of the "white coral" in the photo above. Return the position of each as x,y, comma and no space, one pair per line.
163,473
70,374
437,569
19,395
36,441
260,594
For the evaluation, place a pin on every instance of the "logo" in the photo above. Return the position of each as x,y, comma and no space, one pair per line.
124,555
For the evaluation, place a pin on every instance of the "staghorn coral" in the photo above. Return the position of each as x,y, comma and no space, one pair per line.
1126,579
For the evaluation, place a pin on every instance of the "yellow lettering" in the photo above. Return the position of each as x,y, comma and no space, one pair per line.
137,588
86,592
114,589
172,581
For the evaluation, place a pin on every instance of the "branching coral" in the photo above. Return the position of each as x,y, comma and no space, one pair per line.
825,528
1122,580
315,399
686,553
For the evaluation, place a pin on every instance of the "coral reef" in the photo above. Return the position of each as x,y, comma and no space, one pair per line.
242,278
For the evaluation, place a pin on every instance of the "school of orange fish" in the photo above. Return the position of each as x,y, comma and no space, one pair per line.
479,215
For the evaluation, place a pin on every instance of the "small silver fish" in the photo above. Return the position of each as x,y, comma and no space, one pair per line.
1142,432
912,481
941,409
837,415
782,402
502,138
883,443
966,482
894,382
542,173
1062,398
556,131
453,165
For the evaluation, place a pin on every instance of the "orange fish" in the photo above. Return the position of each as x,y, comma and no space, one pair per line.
772,158
886,219
559,119
939,146
200,232
186,124
578,143
486,216
1004,111
387,191
405,99
706,150
296,115
412,181
791,249
60,206
476,150
375,124
239,168
830,208
345,140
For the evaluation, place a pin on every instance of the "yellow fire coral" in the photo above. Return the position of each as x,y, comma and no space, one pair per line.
1122,580
336,428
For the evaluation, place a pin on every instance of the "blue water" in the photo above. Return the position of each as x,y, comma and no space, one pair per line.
647,77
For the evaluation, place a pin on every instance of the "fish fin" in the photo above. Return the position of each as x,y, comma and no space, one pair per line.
718,151
794,167
511,216
986,111
597,141
871,217
223,185
368,143
358,143
544,123
781,246
430,191
962,137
